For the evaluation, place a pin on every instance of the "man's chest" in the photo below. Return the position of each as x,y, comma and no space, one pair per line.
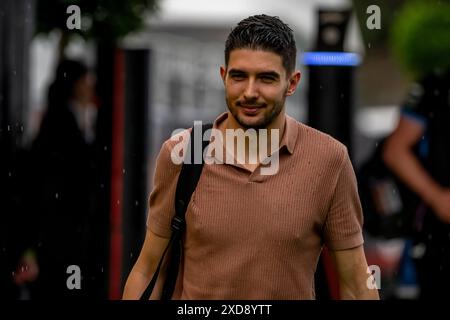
231,205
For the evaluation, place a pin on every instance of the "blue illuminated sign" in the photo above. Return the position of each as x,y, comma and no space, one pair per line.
331,59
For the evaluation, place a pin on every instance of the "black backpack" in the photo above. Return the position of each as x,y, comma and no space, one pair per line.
187,182
389,206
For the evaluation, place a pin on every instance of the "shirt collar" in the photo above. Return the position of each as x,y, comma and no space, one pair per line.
289,138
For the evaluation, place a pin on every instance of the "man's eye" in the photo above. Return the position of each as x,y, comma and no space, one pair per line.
267,79
237,77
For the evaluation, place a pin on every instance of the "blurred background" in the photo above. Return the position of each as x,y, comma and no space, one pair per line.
74,185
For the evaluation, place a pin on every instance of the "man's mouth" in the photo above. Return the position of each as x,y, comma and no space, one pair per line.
250,109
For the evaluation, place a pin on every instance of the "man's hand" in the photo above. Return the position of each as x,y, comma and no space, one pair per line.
440,203
27,270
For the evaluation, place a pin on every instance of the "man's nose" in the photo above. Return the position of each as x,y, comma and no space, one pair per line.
251,90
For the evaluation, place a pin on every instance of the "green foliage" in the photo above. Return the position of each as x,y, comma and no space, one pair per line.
421,36
105,20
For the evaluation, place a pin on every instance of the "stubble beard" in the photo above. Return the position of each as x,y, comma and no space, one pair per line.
264,122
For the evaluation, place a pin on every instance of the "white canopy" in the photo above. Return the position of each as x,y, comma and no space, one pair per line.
299,14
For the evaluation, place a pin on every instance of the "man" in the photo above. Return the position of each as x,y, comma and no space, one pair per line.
418,152
251,235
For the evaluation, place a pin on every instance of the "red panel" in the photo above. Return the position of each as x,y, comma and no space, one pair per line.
117,166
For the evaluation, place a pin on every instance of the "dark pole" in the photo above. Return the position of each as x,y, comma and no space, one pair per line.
136,149
330,96
105,76
330,103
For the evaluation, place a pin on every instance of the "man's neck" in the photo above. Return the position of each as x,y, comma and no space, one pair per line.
278,124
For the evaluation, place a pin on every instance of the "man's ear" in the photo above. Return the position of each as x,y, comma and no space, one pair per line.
294,80
223,73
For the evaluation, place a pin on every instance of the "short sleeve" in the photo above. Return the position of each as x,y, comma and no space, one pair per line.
162,197
343,225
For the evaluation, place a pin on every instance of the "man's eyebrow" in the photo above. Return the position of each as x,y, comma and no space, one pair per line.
270,74
273,74
236,71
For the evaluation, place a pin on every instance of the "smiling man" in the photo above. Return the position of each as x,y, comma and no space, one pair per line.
250,235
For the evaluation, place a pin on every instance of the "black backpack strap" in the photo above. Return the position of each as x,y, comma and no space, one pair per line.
187,182
188,179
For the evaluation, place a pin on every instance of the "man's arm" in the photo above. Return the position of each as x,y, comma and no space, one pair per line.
351,267
145,267
399,157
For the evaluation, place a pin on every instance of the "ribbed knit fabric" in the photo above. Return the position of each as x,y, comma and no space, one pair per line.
253,236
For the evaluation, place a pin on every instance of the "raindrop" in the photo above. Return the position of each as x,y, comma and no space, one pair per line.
123,170
131,254
136,203
64,75
418,251
118,201
101,270
9,128
14,72
56,195
9,174
105,148
369,45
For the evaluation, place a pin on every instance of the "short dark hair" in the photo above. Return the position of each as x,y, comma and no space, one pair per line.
263,32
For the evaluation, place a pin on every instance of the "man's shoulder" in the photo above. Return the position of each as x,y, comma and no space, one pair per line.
320,142
172,149
180,136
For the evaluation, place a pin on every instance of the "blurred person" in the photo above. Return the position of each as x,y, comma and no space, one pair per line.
64,185
250,235
418,152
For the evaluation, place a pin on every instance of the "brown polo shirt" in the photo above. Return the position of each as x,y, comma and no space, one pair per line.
253,236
